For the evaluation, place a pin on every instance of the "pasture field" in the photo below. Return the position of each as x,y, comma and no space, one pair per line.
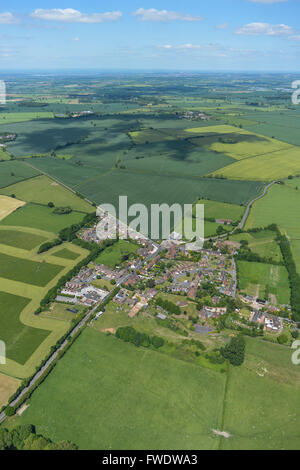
281,125
8,118
21,340
43,190
27,271
268,373
4,155
65,253
11,172
261,243
9,205
219,210
130,387
175,420
41,217
113,255
268,167
260,280
24,240
8,386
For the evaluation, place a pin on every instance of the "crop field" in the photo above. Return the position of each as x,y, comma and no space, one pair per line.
8,386
128,399
268,167
21,340
112,256
20,239
24,270
8,205
236,143
260,280
11,172
281,125
38,216
261,243
43,190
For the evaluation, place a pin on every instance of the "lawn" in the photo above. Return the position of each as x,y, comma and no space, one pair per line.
113,255
43,190
152,400
257,278
21,340
41,217
25,240
27,271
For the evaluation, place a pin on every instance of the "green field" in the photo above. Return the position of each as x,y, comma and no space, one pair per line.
27,271
7,118
11,172
218,210
268,167
280,206
43,190
255,277
181,403
152,400
24,240
65,253
113,255
41,217
21,340
261,243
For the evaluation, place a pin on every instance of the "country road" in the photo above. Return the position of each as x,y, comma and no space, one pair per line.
245,216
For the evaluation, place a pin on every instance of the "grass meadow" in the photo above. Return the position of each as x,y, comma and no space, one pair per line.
154,401
113,255
257,278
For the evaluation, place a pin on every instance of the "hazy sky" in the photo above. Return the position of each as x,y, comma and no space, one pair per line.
150,34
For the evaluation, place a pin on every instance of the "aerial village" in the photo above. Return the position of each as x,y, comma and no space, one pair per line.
201,283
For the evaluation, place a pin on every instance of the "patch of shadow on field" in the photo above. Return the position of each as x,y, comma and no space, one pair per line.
48,139
233,138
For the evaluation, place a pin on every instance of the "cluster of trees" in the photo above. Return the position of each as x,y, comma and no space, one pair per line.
170,307
69,233
234,351
294,277
131,335
245,254
25,438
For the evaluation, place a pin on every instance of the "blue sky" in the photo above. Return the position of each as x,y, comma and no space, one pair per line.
249,35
